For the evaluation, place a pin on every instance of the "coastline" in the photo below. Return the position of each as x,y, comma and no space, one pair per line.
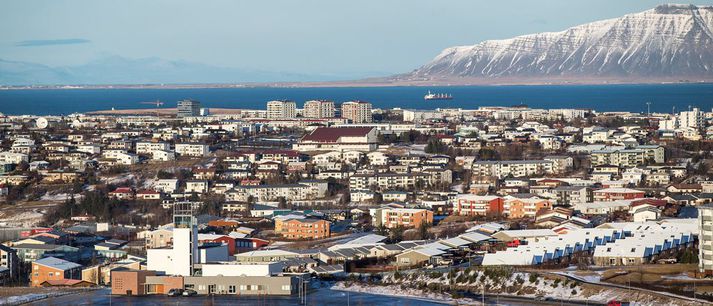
369,84
161,111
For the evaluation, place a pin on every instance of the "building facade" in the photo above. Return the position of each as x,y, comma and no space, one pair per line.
318,109
188,108
357,111
281,109
705,239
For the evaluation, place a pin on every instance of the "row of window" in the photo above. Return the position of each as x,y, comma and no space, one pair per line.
233,288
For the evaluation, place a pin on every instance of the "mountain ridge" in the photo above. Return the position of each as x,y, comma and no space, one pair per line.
669,42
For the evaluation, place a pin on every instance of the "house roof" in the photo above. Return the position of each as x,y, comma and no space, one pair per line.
57,263
63,282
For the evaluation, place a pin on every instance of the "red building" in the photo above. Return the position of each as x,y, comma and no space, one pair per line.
249,244
613,194
475,205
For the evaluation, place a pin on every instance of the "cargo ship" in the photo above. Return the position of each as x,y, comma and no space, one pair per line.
440,96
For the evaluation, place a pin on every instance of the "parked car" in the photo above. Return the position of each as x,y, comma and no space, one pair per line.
189,292
175,292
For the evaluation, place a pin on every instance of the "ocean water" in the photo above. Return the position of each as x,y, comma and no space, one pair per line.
663,97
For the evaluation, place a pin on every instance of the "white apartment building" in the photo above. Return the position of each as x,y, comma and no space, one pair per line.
163,155
147,147
389,181
357,111
89,148
121,157
192,149
197,186
694,118
318,109
166,185
13,158
281,109
304,190
629,157
516,168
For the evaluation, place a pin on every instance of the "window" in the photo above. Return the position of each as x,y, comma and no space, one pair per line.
231,289
243,287
286,287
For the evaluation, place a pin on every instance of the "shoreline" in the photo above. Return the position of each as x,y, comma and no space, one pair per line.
162,111
356,84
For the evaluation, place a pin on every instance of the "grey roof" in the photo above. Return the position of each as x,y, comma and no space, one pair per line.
37,246
57,263
328,269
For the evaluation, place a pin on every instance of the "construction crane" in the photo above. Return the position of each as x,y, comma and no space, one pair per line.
158,104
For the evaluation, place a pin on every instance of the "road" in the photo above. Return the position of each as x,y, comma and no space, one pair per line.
321,296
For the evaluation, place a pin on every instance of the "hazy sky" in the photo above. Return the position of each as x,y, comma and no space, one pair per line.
313,37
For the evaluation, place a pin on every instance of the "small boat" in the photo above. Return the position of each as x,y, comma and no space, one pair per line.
439,96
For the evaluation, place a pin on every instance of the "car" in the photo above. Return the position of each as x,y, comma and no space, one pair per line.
189,292
175,292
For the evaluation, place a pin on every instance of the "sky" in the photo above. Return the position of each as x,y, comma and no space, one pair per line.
329,37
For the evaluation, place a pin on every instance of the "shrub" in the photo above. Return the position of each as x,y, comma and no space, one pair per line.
534,277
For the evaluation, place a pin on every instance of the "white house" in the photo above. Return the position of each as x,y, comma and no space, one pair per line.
192,149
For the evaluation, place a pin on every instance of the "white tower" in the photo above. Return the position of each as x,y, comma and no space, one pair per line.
185,239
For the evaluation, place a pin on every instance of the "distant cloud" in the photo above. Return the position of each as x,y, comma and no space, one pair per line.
51,42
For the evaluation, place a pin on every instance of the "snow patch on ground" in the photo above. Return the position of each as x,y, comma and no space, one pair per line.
23,219
148,184
682,276
458,188
521,284
118,179
393,290
30,297
60,197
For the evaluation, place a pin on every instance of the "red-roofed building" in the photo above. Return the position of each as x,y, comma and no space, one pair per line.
249,244
649,201
339,138
66,283
222,239
446,139
613,194
684,188
122,193
249,182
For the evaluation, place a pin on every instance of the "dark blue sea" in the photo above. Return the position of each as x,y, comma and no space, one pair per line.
663,97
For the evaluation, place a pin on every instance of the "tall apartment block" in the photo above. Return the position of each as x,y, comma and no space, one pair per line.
357,111
318,109
188,108
281,109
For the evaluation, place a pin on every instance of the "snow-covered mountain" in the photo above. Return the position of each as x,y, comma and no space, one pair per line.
669,42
